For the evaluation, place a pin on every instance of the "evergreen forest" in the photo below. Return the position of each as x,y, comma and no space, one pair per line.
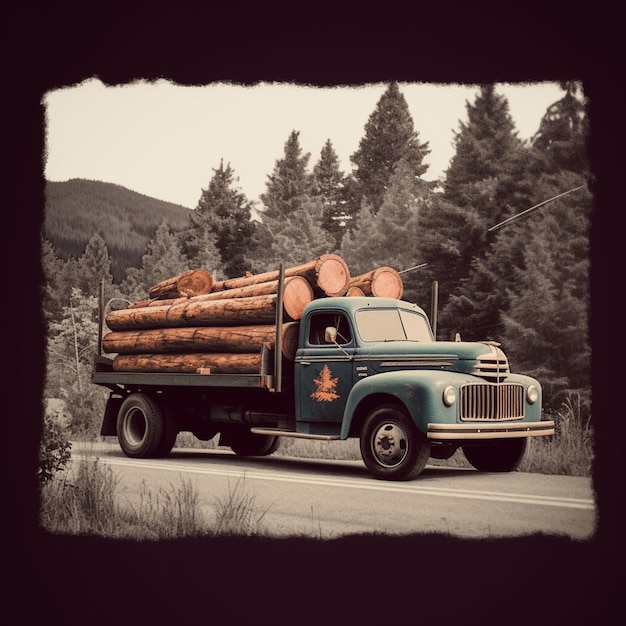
524,283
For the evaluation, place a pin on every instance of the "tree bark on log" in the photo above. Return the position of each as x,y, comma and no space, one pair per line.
235,339
189,363
383,282
230,312
329,273
297,293
190,283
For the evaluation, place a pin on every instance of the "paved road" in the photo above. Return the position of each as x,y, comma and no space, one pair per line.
325,499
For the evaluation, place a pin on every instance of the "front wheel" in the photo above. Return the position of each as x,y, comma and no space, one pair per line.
498,456
144,428
392,447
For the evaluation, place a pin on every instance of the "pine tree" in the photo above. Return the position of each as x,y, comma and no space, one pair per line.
389,137
557,248
198,244
330,188
298,239
487,149
449,238
389,237
546,324
363,247
93,265
163,259
59,276
476,305
290,183
225,212
563,132
72,341
292,219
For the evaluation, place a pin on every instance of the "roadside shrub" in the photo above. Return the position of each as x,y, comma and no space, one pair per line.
83,502
86,407
54,449
570,451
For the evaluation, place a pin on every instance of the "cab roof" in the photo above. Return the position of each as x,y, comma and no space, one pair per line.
351,304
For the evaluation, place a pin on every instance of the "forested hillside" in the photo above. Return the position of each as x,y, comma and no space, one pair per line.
126,220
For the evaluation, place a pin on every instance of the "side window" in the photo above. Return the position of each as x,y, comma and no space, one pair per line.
321,321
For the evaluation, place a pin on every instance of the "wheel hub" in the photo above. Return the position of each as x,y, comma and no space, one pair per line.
135,427
389,444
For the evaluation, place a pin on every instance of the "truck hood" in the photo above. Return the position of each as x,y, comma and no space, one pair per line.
485,360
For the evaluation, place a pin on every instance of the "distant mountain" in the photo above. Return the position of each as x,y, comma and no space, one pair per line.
77,209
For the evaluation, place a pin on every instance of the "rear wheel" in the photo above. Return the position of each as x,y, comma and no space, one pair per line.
498,456
144,428
392,447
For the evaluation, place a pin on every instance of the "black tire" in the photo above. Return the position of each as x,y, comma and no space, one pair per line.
251,444
499,456
392,446
144,428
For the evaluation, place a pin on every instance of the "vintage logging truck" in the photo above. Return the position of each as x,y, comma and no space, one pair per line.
365,367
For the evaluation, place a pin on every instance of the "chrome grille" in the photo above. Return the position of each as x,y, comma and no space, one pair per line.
492,402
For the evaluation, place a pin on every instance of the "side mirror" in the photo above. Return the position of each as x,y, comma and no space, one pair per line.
330,334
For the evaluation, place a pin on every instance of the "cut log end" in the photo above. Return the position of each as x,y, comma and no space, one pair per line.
196,283
354,292
387,283
333,275
297,293
187,284
383,282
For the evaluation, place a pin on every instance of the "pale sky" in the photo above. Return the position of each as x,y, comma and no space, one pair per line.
164,140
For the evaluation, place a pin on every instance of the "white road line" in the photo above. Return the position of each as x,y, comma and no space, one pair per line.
374,485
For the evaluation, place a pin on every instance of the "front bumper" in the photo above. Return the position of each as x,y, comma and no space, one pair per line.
506,430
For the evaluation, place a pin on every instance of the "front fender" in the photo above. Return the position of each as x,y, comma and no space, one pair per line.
421,392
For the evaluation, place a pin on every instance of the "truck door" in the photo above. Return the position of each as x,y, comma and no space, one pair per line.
324,369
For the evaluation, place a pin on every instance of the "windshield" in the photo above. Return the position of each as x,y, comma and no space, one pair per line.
392,325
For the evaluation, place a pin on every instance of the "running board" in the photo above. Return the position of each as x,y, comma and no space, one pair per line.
290,433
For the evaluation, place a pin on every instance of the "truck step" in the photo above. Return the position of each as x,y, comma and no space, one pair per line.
290,433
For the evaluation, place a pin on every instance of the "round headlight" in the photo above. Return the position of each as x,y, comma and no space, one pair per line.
449,395
532,394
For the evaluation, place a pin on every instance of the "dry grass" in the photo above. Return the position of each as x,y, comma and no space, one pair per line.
84,502
570,451
236,513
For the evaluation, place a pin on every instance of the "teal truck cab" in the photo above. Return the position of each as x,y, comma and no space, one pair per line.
366,368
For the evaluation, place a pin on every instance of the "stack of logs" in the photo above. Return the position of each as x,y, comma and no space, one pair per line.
191,324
